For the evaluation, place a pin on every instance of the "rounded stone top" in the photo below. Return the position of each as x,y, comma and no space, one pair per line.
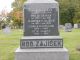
41,1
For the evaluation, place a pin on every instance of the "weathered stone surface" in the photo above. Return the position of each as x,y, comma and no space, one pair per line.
42,54
68,27
41,19
41,42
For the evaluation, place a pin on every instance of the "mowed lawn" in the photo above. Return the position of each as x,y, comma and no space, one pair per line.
9,43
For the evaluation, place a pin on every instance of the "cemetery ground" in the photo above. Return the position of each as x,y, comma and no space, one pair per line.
9,43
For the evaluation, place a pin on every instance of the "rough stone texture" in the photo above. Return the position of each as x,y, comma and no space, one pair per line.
42,54
41,42
68,27
47,12
41,19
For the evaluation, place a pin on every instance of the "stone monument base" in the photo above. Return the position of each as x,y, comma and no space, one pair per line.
42,54
41,42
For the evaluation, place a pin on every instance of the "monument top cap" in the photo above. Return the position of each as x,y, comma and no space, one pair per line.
41,1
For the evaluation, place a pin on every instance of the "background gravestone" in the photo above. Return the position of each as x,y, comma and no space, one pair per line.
77,25
61,26
41,40
7,30
68,27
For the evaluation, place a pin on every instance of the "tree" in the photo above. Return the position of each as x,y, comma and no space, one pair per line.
67,11
77,12
16,14
77,18
18,4
3,18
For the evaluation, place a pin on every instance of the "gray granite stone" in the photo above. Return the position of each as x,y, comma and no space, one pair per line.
42,54
41,19
68,27
77,25
41,42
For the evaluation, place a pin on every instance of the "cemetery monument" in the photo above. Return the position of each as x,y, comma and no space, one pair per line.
68,27
76,26
41,40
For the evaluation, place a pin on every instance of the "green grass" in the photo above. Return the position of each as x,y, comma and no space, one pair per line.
71,41
9,43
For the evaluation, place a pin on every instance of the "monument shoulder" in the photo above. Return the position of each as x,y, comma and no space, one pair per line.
41,1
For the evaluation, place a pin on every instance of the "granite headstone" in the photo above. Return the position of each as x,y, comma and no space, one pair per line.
41,19
77,25
7,30
41,40
68,27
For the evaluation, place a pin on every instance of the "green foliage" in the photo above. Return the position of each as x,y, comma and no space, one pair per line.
16,15
77,18
8,44
71,42
69,11
18,4
67,15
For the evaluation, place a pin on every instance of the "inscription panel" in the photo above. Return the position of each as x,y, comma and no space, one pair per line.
42,43
40,20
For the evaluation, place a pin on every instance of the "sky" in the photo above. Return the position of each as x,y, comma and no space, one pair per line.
5,4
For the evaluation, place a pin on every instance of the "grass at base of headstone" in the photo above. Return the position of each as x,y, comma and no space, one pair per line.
9,43
71,42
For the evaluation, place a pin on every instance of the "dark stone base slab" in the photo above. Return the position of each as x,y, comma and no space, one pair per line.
41,42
